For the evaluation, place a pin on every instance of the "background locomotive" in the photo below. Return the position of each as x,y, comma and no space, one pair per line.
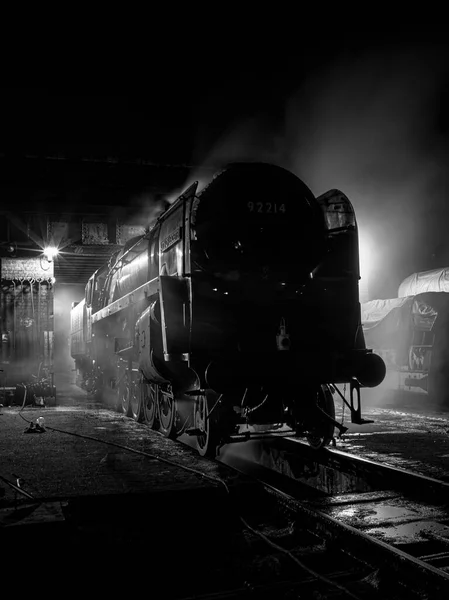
237,312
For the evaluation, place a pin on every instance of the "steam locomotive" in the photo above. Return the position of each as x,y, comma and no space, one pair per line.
235,316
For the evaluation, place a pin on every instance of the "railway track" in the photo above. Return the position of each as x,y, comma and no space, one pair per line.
332,558
330,524
333,471
397,518
341,526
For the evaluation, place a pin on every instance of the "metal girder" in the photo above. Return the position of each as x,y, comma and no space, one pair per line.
116,160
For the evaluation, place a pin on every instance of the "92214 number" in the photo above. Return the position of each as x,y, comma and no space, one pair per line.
266,207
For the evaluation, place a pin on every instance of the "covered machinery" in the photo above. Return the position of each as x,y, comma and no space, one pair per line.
436,280
410,333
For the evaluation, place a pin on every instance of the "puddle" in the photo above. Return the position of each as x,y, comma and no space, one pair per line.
377,513
406,533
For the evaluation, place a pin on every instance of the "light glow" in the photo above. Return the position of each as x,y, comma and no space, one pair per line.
50,252
365,257
366,260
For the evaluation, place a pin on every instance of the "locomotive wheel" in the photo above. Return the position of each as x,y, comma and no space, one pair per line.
206,443
321,435
136,400
167,413
125,390
150,394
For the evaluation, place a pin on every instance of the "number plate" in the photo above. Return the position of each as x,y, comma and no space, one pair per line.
266,208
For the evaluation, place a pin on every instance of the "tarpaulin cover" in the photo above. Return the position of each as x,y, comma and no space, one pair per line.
426,281
390,324
374,312
395,314
387,325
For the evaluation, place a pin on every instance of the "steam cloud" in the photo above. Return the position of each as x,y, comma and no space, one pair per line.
148,206
367,127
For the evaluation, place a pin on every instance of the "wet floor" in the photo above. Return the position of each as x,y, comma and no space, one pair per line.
407,432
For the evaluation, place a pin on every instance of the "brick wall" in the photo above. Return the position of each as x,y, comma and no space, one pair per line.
26,268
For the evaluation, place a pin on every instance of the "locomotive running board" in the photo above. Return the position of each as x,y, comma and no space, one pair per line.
141,294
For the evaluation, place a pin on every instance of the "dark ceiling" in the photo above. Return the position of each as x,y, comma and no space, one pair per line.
39,190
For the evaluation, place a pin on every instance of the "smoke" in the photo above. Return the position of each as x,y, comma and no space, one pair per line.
365,124
63,362
252,139
147,208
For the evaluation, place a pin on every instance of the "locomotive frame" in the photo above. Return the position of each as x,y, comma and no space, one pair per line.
164,338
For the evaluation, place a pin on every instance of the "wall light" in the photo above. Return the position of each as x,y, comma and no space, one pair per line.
50,252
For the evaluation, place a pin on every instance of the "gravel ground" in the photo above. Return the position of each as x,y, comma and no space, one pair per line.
54,464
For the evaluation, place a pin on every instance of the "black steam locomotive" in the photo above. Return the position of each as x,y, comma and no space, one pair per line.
235,316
